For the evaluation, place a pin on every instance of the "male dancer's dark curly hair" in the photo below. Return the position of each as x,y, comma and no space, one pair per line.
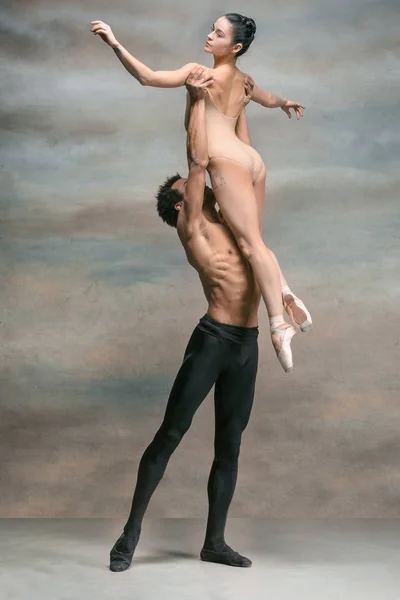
166,200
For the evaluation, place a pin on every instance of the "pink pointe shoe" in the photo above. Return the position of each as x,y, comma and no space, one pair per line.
281,338
297,312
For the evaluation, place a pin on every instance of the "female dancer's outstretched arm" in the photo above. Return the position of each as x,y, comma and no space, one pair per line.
144,75
269,100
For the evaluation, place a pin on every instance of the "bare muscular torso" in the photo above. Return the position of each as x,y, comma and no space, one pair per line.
227,278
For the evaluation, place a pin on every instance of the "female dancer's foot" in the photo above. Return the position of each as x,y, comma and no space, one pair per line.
281,335
122,552
224,555
296,309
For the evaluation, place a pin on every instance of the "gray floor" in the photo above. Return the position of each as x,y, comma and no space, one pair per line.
324,559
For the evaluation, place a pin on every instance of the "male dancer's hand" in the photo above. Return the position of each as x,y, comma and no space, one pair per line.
104,31
248,87
198,80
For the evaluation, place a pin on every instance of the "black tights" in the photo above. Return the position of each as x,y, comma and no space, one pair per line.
224,355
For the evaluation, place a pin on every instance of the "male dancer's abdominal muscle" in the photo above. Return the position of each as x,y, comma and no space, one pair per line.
229,285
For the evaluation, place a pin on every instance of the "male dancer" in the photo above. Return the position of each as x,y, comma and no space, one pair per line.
222,350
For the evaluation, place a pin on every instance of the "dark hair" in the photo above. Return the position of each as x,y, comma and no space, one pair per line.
166,200
244,30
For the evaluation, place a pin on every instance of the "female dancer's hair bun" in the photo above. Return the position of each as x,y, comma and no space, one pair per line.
251,25
244,30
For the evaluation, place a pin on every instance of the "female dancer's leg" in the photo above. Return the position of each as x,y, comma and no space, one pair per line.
235,194
259,191
292,304
233,190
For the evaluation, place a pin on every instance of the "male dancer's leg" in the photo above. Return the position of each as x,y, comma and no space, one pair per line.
234,393
199,371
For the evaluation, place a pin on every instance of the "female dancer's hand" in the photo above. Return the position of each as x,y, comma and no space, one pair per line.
296,107
198,80
104,31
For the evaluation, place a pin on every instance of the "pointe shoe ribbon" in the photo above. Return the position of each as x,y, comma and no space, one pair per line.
281,340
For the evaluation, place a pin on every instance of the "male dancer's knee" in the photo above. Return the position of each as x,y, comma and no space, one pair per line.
227,447
167,439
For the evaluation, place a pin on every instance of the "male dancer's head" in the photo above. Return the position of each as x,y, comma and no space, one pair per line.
171,196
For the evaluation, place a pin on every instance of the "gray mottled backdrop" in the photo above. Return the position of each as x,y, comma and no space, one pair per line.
97,301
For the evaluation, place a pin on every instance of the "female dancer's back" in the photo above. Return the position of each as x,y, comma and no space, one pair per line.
224,103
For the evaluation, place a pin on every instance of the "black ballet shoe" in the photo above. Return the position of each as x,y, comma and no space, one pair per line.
122,552
226,556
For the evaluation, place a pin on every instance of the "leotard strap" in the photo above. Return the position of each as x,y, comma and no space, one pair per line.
220,111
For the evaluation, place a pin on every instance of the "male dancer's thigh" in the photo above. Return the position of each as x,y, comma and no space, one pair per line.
199,370
234,390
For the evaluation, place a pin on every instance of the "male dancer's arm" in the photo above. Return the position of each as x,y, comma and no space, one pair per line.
196,147
187,110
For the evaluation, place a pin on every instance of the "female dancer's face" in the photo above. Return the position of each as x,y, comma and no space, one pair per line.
219,40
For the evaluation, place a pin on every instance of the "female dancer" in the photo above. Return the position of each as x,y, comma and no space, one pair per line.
236,170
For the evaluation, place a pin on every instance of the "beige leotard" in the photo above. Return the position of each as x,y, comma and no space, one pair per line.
223,141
